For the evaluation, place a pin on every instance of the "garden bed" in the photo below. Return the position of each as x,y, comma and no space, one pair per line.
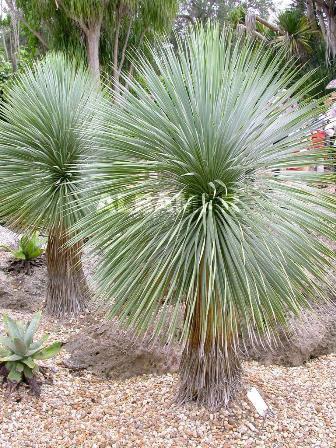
81,409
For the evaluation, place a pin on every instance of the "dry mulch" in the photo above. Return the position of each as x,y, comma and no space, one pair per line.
83,410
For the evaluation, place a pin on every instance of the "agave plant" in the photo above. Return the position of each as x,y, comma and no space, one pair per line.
221,243
19,352
45,136
29,248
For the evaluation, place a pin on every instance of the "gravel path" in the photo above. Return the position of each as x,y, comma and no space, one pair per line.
82,410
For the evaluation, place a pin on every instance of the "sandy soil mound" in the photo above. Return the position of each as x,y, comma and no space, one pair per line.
109,351
312,335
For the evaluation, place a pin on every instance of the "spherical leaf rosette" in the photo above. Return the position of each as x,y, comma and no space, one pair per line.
46,134
204,215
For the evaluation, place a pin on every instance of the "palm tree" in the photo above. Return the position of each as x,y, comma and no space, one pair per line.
44,138
297,33
208,245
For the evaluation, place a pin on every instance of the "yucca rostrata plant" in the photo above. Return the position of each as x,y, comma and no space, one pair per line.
223,242
19,352
45,135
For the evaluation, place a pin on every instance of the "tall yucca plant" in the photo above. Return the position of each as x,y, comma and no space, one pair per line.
205,238
44,138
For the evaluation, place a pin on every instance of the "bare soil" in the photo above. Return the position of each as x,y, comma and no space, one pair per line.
19,291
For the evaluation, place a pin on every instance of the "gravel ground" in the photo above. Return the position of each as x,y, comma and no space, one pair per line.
82,410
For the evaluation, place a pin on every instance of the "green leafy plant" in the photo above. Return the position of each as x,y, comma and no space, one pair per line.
29,248
19,352
237,15
297,37
26,254
46,137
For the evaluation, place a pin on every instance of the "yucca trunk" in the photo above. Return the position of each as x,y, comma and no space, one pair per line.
67,291
210,369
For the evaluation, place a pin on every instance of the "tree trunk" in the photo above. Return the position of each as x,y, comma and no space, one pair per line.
131,68
14,34
311,14
332,35
210,369
12,54
67,292
319,14
327,21
92,47
5,44
116,73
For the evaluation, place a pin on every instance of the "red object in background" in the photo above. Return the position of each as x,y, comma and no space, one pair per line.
317,142
318,139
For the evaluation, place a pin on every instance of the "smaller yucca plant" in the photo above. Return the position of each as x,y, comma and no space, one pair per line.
19,352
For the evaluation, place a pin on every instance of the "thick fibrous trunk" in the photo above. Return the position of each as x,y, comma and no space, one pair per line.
210,369
209,376
67,291
92,47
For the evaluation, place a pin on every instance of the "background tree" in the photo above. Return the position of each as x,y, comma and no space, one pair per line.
14,39
321,15
88,16
103,29
215,240
296,31
204,10
14,35
17,50
326,15
43,139
321,19
299,5
296,37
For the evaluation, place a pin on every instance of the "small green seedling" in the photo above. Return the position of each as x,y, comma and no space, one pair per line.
29,248
26,254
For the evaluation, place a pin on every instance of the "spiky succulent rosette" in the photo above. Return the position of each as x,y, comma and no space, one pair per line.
19,352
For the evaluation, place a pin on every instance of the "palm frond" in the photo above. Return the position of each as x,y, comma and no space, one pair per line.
297,38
